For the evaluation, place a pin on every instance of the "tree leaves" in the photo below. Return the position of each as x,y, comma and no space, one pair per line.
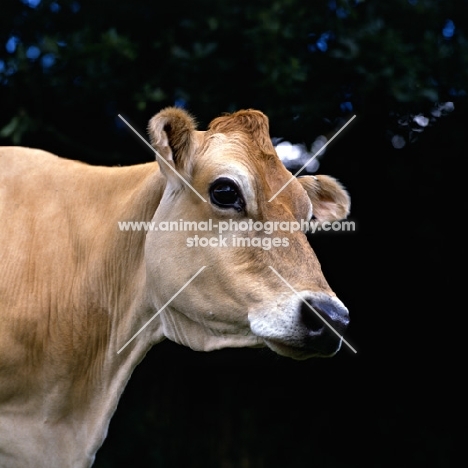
302,64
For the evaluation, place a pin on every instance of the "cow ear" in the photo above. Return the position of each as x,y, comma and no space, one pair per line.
171,133
330,200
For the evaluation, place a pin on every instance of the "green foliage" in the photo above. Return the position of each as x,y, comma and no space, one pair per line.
69,67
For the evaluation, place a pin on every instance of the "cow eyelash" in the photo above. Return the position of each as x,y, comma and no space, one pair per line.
225,193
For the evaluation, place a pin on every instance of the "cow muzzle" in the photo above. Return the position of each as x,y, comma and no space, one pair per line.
325,322
307,325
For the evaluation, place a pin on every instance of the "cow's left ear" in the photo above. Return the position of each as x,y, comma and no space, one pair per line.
330,200
171,133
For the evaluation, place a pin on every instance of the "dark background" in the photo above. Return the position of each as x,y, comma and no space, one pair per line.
68,68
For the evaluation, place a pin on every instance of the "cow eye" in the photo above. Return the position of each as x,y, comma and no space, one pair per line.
225,193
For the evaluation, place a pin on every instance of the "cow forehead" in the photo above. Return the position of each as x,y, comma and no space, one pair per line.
259,172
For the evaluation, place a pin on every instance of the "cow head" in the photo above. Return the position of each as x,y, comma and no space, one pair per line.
260,286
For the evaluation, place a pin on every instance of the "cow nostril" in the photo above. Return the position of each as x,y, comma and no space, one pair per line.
325,320
310,318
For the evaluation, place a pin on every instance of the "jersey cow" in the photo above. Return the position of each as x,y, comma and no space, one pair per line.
75,287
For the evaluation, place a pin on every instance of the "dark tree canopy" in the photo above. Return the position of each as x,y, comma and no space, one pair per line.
69,67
